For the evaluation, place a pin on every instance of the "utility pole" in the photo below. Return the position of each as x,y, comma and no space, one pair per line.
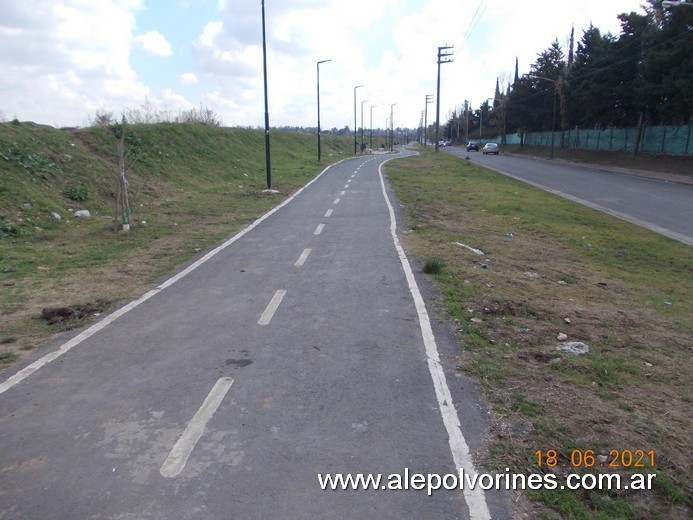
429,99
421,123
443,57
466,120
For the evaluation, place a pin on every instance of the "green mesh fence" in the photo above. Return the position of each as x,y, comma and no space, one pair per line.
675,140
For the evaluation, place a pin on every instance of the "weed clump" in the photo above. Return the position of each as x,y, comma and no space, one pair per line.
433,266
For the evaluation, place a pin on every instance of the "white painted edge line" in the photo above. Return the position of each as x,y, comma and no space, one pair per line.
618,214
69,345
475,498
304,256
336,201
328,213
319,229
179,454
272,307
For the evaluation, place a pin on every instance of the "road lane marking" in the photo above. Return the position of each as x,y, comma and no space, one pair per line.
336,201
346,186
87,333
328,213
175,462
475,498
319,229
302,259
343,193
272,307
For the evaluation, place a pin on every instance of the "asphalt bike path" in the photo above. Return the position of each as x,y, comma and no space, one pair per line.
296,348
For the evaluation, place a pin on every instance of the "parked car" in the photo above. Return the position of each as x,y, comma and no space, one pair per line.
472,146
490,148
441,143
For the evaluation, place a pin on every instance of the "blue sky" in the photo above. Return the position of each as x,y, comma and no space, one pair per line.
64,60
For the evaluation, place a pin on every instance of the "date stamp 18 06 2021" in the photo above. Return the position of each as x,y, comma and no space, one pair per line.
615,459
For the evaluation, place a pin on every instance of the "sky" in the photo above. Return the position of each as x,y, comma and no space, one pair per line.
64,61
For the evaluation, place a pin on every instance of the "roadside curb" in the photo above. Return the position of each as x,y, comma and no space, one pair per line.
669,177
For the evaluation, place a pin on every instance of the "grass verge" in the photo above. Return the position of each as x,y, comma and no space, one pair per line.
190,186
521,268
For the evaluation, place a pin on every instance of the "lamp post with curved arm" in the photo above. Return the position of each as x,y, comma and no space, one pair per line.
362,102
371,127
355,123
318,67
392,126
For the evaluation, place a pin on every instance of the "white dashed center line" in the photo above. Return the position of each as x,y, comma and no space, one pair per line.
175,462
336,201
272,307
328,213
302,259
319,229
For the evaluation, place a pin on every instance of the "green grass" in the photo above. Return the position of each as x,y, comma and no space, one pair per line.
190,186
627,292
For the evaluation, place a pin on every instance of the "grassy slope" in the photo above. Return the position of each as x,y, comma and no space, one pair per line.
192,184
627,293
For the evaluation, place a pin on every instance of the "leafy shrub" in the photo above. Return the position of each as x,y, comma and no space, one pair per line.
76,193
32,162
7,228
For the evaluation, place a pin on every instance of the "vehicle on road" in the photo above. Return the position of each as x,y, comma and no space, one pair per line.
490,148
472,146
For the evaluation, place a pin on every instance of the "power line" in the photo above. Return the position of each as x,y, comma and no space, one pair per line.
475,20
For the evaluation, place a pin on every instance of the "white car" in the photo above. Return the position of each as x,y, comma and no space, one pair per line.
490,148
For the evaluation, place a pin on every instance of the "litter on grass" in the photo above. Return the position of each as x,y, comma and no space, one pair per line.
473,250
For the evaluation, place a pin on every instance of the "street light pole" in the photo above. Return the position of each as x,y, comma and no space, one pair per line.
318,67
355,123
362,102
371,127
441,59
268,167
387,132
392,126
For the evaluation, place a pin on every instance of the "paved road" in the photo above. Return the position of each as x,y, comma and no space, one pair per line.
296,348
660,205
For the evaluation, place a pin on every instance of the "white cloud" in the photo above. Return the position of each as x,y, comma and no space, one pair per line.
188,78
154,43
209,33
63,60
